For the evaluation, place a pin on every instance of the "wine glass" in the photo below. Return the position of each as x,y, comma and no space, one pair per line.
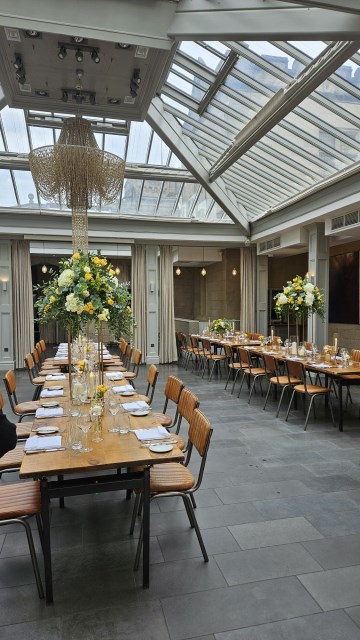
85,425
114,408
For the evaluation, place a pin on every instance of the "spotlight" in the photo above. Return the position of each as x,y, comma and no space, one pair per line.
92,98
42,93
77,39
65,96
124,45
30,33
234,272
20,75
95,56
62,52
79,55
114,100
135,83
18,62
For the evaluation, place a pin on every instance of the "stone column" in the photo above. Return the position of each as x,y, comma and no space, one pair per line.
319,272
6,311
262,311
152,304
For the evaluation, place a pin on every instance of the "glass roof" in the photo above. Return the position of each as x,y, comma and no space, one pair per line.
320,137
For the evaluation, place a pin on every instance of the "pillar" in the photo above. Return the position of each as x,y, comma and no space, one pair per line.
319,271
262,311
152,305
6,313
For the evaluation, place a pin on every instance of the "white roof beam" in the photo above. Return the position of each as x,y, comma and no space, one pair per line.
169,130
284,101
348,6
259,20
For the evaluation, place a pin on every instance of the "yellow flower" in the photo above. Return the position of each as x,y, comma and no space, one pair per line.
46,308
110,301
290,300
80,365
96,260
298,288
112,272
88,276
52,299
299,301
76,256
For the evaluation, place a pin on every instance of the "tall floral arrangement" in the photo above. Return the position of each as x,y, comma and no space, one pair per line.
300,297
220,326
86,289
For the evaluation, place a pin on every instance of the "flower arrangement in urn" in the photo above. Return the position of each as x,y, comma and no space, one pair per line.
301,297
86,289
220,326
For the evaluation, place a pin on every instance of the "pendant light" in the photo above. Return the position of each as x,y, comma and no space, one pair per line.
178,271
44,268
234,272
203,270
117,271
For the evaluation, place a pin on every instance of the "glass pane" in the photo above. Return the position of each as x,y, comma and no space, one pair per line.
41,137
138,142
7,193
115,145
186,200
150,197
130,196
168,198
159,152
15,130
201,55
26,189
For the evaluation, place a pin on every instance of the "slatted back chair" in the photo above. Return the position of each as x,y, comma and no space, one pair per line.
212,360
47,363
175,479
127,355
22,430
277,379
152,377
133,373
355,355
42,345
46,368
252,372
188,402
18,502
21,409
296,369
35,380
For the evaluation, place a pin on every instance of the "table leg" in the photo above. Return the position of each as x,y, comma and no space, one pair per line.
45,514
146,528
340,403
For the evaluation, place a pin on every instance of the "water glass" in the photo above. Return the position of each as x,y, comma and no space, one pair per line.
114,408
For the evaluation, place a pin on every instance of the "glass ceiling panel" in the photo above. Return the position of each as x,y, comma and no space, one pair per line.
186,200
149,197
26,189
41,137
16,136
169,196
159,152
138,146
7,193
131,193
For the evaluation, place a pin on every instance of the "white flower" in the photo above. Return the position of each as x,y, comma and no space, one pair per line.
96,410
66,278
104,316
73,304
282,298
309,299
86,293
308,287
87,269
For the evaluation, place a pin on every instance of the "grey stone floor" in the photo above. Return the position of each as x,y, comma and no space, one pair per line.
279,511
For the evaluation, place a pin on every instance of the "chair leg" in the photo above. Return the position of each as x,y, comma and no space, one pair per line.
289,407
33,557
189,512
227,379
235,378
267,395
134,513
138,550
196,527
309,410
280,401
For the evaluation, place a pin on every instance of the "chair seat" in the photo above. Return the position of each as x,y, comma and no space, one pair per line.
351,376
171,476
38,380
26,407
255,371
311,389
46,372
129,375
23,429
19,499
235,365
12,459
284,380
163,419
217,356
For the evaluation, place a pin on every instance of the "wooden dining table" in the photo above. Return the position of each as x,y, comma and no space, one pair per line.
123,459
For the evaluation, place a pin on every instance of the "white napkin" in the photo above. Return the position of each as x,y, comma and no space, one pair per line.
126,387
36,443
55,412
107,356
51,393
56,376
294,358
323,365
156,433
115,375
130,406
64,357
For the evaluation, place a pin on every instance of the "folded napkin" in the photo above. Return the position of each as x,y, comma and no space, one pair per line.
115,375
294,358
126,387
64,357
323,365
156,433
56,376
107,356
38,443
130,406
51,412
51,393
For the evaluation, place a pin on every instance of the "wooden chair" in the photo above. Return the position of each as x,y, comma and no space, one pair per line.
172,391
11,461
21,409
297,370
234,366
24,429
251,372
212,360
277,379
36,381
18,502
175,479
151,379
188,402
133,371
43,370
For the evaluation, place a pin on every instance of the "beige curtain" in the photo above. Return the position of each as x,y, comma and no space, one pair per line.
168,351
248,289
23,307
138,293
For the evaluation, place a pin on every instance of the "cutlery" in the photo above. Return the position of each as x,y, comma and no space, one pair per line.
44,450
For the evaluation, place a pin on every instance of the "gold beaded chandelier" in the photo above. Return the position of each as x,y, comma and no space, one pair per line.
76,172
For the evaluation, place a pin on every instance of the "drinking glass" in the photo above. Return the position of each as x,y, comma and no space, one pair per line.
124,428
85,425
74,439
114,408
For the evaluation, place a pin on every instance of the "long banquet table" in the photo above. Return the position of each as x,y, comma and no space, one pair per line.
121,453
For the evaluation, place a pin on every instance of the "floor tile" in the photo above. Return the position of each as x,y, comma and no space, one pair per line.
267,534
334,589
185,545
332,553
307,505
247,492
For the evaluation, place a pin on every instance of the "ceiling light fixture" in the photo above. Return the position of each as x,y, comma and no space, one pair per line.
178,271
42,93
20,75
79,56
78,39
114,100
135,83
94,54
234,272
18,62
124,45
117,271
203,270
44,268
62,53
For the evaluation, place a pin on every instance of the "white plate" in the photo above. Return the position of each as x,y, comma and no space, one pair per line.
51,403
46,430
55,388
128,393
140,412
161,447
